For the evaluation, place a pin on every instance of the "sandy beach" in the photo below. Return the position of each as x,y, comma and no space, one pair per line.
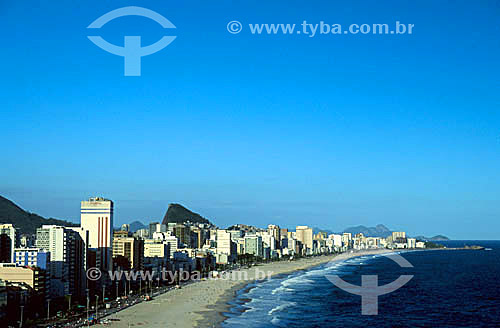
201,303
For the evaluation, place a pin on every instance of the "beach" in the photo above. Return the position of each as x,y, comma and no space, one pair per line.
201,304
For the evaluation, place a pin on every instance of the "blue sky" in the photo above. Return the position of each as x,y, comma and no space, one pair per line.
330,131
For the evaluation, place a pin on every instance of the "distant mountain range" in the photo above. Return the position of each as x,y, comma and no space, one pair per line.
317,230
378,231
24,221
177,213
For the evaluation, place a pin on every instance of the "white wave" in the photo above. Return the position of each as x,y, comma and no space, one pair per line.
281,289
281,307
299,280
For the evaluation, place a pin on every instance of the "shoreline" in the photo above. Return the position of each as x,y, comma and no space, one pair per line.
215,316
202,303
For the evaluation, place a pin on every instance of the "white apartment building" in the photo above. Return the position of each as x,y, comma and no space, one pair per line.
168,238
224,242
268,240
97,219
336,240
156,248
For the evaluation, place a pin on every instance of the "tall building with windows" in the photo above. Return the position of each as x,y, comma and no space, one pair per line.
223,242
67,259
275,231
304,234
97,219
254,245
168,238
347,239
182,232
8,238
132,248
398,235
198,236
157,227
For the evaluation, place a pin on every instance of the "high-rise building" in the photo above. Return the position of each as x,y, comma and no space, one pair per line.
52,238
347,239
97,219
198,236
336,240
322,235
142,233
8,241
275,231
5,249
157,227
254,245
235,234
224,242
398,235
268,240
167,237
67,259
283,233
77,248
131,248
304,234
182,232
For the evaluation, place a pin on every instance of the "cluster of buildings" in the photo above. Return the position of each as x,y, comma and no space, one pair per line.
52,264
397,240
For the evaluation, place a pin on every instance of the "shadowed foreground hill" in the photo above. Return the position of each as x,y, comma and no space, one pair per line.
177,213
24,221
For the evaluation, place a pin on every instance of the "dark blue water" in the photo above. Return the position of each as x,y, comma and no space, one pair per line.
450,288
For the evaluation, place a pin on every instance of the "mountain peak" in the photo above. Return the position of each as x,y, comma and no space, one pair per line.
176,213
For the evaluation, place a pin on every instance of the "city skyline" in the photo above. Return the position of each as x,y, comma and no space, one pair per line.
91,220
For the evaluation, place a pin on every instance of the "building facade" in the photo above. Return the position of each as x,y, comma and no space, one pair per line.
8,241
304,234
97,219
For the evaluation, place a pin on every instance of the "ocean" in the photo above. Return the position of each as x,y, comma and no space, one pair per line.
449,288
